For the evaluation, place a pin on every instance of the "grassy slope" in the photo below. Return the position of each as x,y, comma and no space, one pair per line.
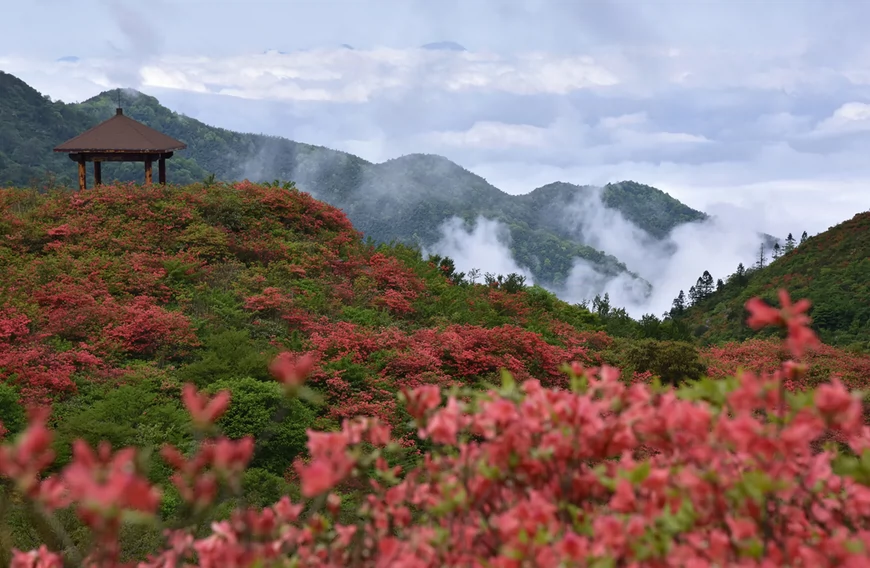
832,269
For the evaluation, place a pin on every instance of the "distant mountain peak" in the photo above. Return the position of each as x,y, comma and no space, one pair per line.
443,46
347,46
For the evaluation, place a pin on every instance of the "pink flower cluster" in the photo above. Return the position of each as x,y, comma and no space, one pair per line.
720,473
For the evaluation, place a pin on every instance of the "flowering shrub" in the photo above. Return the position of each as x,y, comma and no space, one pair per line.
116,297
720,472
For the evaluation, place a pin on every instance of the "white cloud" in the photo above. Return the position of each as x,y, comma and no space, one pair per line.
622,121
493,135
342,75
160,78
641,139
717,245
483,246
851,117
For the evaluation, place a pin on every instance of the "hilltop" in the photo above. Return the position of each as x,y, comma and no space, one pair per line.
406,199
832,269
114,298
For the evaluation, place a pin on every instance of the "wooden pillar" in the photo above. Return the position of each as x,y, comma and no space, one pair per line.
148,176
98,173
161,170
83,174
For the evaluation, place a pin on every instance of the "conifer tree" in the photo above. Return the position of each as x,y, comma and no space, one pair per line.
705,285
679,305
804,237
762,259
600,305
740,275
777,252
719,284
693,296
789,243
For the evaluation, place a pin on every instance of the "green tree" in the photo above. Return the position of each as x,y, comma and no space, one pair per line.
679,305
762,258
259,408
672,361
601,306
694,295
650,327
739,275
705,285
12,415
789,243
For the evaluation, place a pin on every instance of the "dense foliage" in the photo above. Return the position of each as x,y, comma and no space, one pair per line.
114,299
832,269
406,199
590,472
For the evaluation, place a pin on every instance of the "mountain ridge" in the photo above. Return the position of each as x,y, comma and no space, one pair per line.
406,199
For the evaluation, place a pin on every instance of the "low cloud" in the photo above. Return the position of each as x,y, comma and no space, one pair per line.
717,245
669,265
484,245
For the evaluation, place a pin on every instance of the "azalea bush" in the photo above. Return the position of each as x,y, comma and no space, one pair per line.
602,473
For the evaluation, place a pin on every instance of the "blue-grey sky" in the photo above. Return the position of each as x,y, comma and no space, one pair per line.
229,26
756,107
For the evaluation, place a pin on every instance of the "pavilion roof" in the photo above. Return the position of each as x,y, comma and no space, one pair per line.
121,134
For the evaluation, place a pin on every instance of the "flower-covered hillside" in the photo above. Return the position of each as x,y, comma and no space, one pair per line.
206,283
115,298
718,473
152,286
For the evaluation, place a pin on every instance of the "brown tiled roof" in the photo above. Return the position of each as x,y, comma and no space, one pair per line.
121,134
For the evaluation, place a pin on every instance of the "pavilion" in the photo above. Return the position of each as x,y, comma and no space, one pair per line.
120,139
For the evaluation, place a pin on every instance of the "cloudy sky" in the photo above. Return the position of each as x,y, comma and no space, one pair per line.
757,107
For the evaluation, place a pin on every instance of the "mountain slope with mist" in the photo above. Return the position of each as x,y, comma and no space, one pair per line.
648,208
417,199
831,269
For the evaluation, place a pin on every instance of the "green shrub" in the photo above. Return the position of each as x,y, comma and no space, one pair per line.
672,361
260,409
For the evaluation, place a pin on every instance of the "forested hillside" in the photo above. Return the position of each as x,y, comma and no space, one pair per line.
406,199
832,269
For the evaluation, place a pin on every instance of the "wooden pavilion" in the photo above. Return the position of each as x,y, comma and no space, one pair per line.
120,139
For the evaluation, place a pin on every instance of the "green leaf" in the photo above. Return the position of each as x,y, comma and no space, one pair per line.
854,467
508,384
639,474
309,395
